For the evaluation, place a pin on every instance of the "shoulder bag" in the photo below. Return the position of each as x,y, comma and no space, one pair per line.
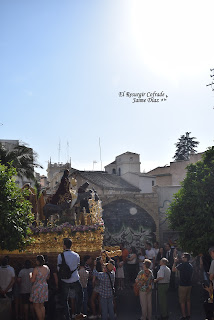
113,289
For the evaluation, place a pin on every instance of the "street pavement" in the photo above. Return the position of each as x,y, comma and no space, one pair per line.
128,306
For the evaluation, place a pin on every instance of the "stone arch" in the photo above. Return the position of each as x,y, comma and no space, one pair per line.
127,220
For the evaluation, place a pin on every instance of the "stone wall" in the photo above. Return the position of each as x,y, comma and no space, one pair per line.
164,179
165,197
131,218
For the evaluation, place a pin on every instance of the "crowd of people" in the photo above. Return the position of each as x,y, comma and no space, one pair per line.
87,289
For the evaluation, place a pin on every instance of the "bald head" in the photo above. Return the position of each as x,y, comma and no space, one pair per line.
164,261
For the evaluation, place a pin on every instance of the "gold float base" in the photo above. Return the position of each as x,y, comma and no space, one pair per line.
52,242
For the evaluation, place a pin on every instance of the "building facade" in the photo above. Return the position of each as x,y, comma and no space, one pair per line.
127,165
168,182
175,173
130,216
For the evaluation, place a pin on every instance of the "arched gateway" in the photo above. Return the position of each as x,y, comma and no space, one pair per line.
130,218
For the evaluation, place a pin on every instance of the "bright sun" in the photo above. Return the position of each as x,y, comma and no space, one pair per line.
173,38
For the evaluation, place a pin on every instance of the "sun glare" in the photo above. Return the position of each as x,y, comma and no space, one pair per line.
173,38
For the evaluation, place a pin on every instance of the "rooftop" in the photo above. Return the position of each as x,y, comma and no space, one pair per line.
106,181
127,152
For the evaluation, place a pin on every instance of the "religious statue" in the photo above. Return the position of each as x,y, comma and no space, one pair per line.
41,204
31,197
63,193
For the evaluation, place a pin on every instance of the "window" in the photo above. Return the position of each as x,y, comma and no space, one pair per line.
113,171
153,183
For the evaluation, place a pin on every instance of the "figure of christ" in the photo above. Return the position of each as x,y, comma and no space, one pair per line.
63,193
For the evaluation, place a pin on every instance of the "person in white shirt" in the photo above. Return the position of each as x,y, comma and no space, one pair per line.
72,259
25,286
7,279
150,254
163,280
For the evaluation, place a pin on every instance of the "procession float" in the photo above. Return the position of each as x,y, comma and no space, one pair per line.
71,212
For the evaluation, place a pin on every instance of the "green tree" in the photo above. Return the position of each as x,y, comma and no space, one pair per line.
184,147
23,158
192,211
15,212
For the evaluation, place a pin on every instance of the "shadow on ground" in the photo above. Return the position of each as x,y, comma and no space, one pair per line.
128,306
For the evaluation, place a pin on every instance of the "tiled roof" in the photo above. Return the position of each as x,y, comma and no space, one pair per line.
107,181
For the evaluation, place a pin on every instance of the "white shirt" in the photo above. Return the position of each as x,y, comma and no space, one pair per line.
6,275
11,268
73,260
150,254
165,273
156,252
25,285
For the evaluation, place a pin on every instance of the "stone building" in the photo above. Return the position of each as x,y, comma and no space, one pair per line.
173,174
134,203
164,182
104,183
127,165
129,215
168,182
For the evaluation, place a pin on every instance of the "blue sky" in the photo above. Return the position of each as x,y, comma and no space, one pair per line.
63,64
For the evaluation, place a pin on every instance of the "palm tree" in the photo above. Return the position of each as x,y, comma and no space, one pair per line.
23,158
185,146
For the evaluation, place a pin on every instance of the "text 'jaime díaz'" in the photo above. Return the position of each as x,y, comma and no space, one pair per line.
149,96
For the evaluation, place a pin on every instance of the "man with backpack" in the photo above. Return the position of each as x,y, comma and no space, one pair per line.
67,265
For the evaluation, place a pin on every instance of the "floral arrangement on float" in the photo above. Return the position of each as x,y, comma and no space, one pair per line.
66,225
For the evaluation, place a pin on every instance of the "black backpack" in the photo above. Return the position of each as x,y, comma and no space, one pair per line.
64,271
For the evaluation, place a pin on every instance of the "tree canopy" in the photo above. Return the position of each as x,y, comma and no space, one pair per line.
23,158
15,212
192,211
185,146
